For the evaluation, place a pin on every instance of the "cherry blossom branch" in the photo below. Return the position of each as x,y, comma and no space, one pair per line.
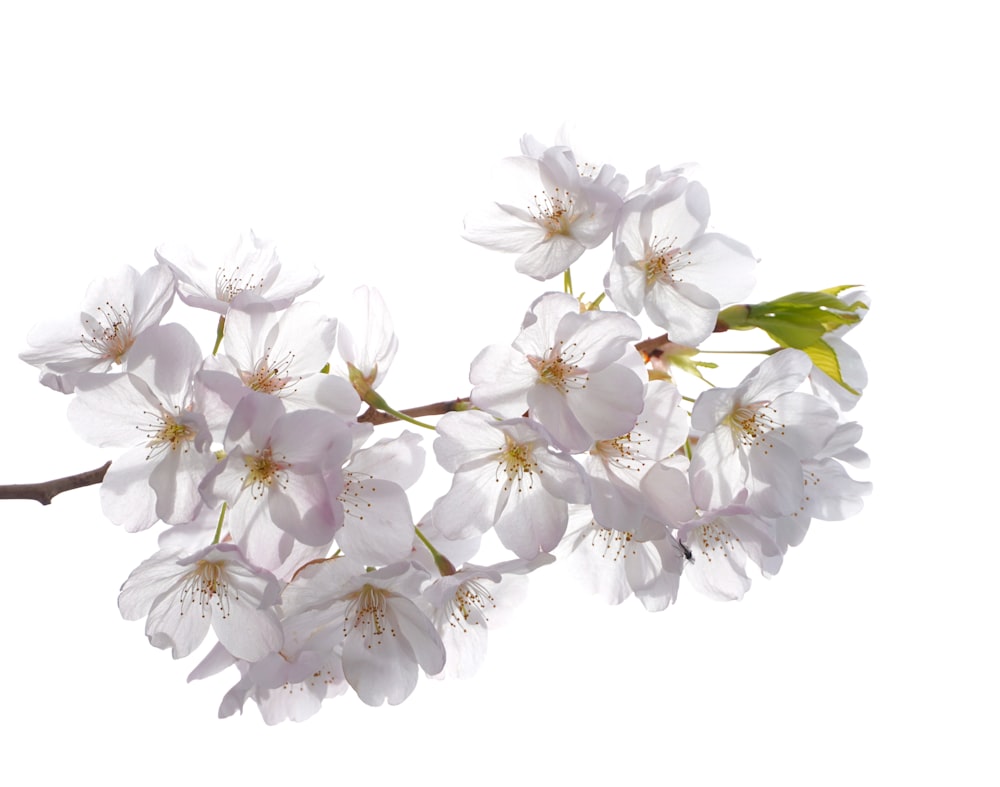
377,417
44,491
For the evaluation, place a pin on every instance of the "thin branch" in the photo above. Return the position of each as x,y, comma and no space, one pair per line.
44,491
376,417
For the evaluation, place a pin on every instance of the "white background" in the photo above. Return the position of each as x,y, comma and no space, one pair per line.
845,143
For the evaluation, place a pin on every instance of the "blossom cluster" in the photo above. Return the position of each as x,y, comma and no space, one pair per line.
287,529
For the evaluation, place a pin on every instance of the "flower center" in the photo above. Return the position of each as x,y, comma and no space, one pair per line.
664,261
268,377
621,452
554,212
110,335
207,584
516,464
560,368
612,544
470,600
367,615
752,424
229,285
711,539
167,433
263,471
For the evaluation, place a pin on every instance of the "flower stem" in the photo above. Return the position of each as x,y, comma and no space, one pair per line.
219,333
218,529
444,565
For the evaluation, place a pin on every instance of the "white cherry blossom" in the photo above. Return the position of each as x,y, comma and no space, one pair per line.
577,373
251,273
559,211
665,263
116,309
182,596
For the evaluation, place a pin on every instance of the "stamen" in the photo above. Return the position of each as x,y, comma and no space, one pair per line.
561,367
208,584
111,336
264,470
369,612
515,464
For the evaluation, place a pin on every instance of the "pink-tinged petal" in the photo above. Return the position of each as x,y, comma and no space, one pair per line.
178,621
807,422
718,470
654,573
610,404
380,667
615,505
776,476
720,266
687,313
677,214
625,282
302,509
378,525
367,340
175,480
596,339
398,459
533,521
304,437
127,498
418,630
550,257
501,377
551,408
246,632
108,407
166,357
503,228
631,238
663,425
151,579
464,437
668,496
331,393
468,508
782,372
561,476
542,321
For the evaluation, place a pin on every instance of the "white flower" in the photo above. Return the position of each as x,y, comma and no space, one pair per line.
615,467
506,477
384,636
463,604
183,596
152,410
561,211
273,477
576,373
366,342
115,311
664,262
251,274
755,437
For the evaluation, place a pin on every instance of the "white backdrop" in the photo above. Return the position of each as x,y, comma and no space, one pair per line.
842,145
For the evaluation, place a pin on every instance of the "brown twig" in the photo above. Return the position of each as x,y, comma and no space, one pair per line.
44,491
376,417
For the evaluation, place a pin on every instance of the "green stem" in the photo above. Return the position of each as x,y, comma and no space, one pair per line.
219,333
443,564
218,529
567,282
375,400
